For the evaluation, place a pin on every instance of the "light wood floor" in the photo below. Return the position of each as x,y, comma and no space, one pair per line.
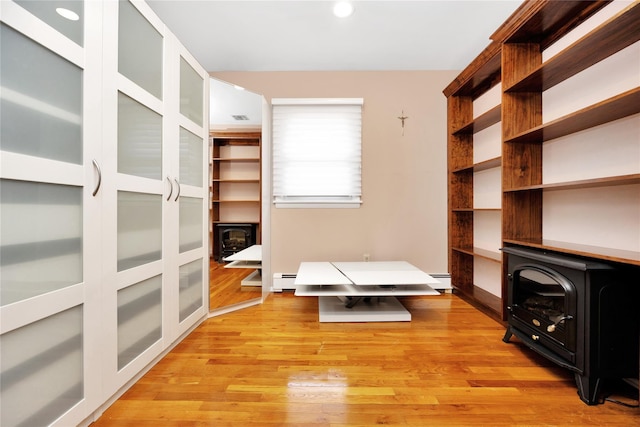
225,288
275,365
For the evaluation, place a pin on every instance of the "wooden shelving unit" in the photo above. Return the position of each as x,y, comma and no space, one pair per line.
514,60
236,180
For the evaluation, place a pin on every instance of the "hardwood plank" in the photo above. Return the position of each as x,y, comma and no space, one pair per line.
276,365
225,287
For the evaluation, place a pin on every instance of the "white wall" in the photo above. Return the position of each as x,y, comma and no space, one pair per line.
403,215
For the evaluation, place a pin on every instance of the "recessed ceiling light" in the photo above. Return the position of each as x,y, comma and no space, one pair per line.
68,14
342,9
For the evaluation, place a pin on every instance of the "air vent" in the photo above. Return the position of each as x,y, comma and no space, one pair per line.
239,117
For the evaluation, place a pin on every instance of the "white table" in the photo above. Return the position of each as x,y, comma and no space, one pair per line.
362,291
250,257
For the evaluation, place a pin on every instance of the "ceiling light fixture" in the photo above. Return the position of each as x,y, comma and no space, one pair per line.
68,14
342,9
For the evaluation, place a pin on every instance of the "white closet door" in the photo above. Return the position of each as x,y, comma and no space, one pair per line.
135,191
49,140
192,130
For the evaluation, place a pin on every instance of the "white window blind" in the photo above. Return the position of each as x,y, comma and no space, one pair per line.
317,154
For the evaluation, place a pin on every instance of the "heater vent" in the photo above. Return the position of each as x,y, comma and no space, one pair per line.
239,117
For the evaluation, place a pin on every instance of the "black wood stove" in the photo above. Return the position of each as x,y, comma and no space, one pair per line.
579,313
232,238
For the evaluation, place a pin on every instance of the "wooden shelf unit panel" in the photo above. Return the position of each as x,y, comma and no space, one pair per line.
496,162
521,163
481,122
236,178
522,215
462,271
604,41
514,60
608,181
462,229
461,133
614,108
546,20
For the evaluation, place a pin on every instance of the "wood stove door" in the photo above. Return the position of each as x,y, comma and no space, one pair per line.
543,304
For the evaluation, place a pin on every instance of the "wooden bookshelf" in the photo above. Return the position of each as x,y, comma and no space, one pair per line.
514,61
236,180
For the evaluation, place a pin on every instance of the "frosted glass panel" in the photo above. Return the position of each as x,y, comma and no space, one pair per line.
41,371
191,161
139,318
190,223
139,139
190,288
139,229
191,92
40,100
139,50
40,238
47,11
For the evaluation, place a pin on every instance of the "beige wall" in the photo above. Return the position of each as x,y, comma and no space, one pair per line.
404,192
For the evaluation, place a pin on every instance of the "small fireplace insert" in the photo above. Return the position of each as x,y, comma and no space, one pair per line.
232,238
576,312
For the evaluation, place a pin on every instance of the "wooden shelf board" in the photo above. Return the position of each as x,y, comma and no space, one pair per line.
488,254
585,52
480,252
235,159
466,251
614,108
480,166
250,181
481,122
487,164
546,21
463,169
487,209
248,137
587,183
598,252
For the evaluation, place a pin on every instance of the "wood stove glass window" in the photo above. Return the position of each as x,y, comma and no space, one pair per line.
543,300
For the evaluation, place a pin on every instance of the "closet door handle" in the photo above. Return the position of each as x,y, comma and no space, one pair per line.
178,184
170,188
97,167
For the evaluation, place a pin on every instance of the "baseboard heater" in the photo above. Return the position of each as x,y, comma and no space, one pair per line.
284,281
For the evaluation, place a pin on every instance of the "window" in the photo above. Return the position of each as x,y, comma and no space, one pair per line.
317,155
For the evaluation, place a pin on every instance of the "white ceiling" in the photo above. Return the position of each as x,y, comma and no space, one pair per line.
303,35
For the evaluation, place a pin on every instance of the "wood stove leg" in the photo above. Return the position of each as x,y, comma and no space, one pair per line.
507,335
588,388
